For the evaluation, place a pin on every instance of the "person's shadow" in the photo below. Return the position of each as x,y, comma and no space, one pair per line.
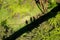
34,18
26,21
34,24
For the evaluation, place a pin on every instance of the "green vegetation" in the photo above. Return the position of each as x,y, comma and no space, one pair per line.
48,30
13,16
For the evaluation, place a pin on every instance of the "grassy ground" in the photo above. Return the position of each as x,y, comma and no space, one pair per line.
48,30
17,12
13,16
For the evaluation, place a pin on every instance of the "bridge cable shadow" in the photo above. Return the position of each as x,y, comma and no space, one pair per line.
34,24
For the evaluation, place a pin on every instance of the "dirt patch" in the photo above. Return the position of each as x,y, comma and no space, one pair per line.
58,1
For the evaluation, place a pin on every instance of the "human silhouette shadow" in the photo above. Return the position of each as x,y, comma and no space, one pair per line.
34,18
31,19
34,24
26,22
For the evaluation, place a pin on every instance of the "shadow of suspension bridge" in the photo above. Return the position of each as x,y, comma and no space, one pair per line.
34,24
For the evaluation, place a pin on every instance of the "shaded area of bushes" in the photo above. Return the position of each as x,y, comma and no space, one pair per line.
5,31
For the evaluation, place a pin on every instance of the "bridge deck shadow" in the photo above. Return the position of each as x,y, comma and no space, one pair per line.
34,24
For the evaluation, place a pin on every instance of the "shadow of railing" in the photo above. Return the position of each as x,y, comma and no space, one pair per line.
34,24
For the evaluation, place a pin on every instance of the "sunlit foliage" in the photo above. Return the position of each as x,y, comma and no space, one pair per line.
14,13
